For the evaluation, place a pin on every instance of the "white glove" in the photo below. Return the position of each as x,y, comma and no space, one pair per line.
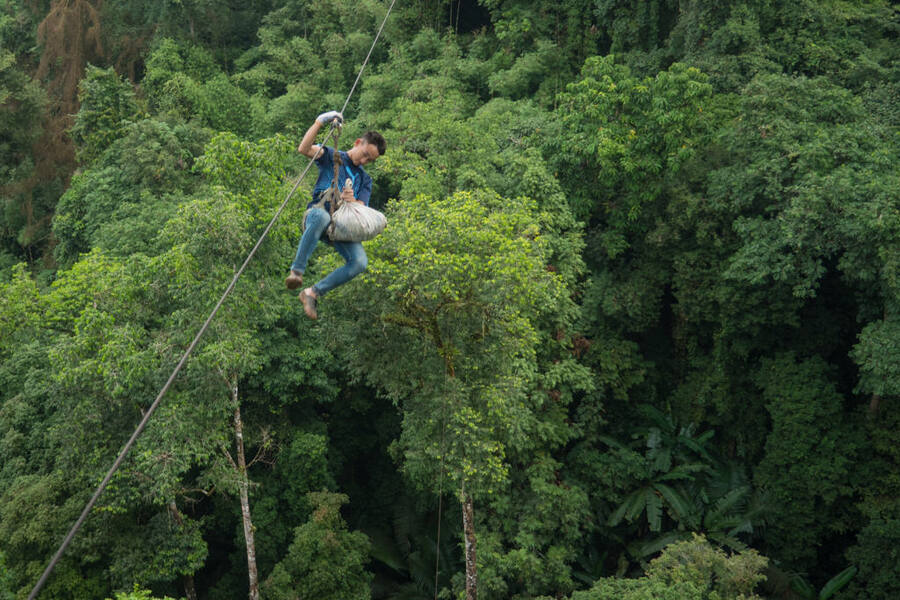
347,192
328,117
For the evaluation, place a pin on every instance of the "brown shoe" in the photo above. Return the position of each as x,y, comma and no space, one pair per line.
309,304
294,280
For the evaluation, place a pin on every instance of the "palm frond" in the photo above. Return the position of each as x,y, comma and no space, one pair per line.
678,504
733,500
653,504
643,549
685,471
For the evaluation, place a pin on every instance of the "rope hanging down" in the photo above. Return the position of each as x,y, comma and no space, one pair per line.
143,424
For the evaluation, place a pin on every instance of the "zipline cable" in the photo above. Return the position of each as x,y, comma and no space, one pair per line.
162,393
187,353
359,75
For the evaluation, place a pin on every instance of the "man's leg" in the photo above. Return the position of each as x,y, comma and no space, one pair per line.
316,222
355,263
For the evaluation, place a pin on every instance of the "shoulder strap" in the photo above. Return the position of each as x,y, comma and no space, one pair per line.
338,162
336,182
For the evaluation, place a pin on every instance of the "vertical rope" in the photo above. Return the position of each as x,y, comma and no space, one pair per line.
437,545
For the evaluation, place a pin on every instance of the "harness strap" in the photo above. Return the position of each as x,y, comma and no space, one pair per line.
333,194
335,190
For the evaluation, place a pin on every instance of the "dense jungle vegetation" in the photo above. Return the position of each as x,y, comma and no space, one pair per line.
636,312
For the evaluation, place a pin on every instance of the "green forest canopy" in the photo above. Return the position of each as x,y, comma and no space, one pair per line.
638,303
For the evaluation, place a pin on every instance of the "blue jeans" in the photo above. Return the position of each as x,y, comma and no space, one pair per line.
353,253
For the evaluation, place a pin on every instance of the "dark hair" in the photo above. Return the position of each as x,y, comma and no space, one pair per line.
377,140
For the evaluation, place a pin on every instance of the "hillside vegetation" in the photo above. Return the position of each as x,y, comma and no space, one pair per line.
635,318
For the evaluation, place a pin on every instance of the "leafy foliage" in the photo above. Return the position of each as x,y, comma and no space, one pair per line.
640,281
802,467
106,104
122,201
689,570
5,591
324,560
136,594
22,103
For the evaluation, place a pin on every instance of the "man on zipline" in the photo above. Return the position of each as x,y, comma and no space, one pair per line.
365,150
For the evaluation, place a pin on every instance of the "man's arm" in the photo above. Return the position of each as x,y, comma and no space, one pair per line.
306,147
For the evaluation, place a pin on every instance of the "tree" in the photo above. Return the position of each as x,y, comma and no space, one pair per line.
211,234
106,105
183,82
879,529
69,393
571,31
631,136
122,200
131,28
106,360
727,331
688,570
325,560
70,39
808,457
875,554
136,594
460,301
23,221
5,583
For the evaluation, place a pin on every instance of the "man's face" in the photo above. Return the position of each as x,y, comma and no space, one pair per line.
365,152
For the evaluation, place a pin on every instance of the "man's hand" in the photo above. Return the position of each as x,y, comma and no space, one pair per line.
331,115
347,192
307,146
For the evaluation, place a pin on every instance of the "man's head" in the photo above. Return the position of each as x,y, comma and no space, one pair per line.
367,148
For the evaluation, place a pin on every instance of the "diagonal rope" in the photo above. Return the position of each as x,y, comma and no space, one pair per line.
143,424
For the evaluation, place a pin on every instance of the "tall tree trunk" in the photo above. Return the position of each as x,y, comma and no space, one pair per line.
244,484
190,591
469,531
874,405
